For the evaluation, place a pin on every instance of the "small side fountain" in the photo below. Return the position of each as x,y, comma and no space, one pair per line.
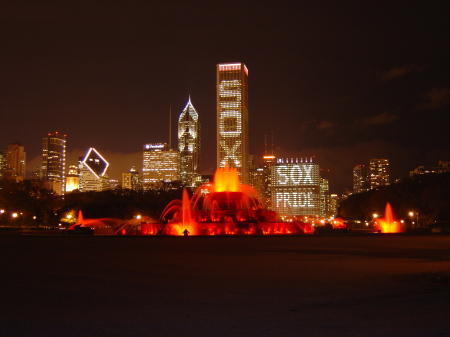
225,207
104,226
388,224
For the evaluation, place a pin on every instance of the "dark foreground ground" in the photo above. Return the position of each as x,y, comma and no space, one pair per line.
366,285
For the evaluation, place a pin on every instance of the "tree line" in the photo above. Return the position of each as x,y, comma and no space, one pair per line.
36,206
427,196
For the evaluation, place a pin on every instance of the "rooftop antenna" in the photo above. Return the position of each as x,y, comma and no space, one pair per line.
272,143
170,126
265,145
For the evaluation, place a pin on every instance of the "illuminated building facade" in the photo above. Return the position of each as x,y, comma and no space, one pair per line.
2,162
15,161
296,187
132,180
379,172
160,165
361,182
189,146
94,174
334,203
324,198
53,171
232,117
268,162
72,179
256,176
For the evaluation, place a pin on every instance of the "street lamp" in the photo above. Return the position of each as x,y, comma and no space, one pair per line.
14,216
411,214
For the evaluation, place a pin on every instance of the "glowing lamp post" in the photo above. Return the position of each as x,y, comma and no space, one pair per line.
411,214
374,221
14,216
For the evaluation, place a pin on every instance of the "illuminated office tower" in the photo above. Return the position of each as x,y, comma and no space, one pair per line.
2,162
268,162
72,179
379,172
256,177
334,203
189,146
94,173
296,188
54,162
160,165
15,162
131,180
361,182
324,198
232,117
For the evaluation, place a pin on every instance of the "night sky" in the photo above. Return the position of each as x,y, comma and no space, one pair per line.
342,81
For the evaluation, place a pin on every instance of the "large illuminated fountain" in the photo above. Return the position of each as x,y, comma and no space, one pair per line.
388,224
225,207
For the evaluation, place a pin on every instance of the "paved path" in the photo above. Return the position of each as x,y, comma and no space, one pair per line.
368,285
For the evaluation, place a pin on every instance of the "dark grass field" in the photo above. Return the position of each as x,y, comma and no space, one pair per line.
355,285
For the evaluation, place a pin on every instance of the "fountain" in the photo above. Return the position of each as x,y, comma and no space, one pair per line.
225,207
111,226
388,224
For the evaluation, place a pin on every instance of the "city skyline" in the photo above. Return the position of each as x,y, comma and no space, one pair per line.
344,82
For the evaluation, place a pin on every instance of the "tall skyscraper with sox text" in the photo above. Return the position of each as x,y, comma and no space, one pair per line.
232,117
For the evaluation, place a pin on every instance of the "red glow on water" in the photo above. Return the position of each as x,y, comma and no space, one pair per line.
388,224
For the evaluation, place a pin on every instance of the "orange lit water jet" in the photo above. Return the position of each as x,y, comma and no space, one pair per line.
388,224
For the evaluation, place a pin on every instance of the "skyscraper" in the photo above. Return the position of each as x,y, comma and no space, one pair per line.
94,174
54,162
15,162
189,146
324,198
361,181
232,117
132,180
379,172
160,165
2,162
268,162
